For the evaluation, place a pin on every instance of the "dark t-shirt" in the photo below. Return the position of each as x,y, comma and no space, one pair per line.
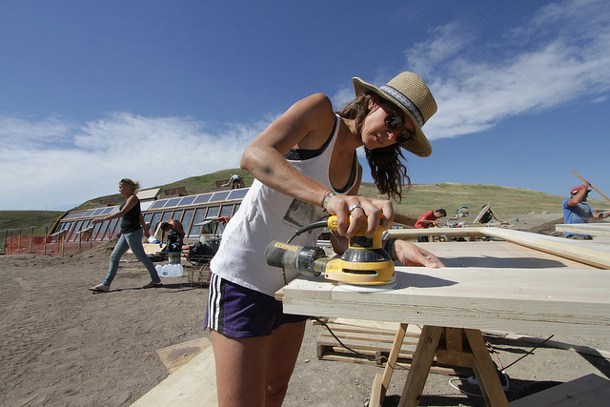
131,221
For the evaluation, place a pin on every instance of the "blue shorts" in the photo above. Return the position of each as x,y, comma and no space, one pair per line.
238,312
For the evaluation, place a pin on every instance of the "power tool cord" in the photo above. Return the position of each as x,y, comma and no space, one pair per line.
306,228
380,359
504,378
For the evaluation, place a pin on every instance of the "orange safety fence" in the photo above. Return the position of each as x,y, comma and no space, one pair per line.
41,245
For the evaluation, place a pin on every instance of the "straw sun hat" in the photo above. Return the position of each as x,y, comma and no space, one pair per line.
408,92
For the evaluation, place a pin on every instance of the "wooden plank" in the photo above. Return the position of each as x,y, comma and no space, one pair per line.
596,254
194,384
523,301
589,390
175,356
593,229
476,231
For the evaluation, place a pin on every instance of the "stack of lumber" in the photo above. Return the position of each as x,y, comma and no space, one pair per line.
370,342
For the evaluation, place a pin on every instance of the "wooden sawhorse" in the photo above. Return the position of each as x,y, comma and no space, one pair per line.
459,347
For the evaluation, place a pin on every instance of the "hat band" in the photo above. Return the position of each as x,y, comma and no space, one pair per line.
405,102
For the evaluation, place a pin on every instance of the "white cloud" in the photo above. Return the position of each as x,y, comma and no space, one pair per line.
94,156
558,57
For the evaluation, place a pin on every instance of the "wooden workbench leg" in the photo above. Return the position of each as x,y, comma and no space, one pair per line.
420,366
382,381
485,371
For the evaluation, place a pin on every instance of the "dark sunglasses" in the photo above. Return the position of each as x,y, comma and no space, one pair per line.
126,181
394,121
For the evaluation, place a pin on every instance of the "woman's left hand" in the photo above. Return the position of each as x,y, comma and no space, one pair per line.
410,254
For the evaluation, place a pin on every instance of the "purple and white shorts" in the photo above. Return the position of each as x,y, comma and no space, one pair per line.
238,312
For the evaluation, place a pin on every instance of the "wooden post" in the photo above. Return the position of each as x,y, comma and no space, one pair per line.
46,236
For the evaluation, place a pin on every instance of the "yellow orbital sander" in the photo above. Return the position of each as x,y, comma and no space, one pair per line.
364,263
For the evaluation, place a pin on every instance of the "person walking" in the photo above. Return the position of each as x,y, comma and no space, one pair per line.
133,228
306,167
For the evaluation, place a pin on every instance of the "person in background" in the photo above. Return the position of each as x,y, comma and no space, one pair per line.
305,166
235,181
133,228
575,210
429,219
171,226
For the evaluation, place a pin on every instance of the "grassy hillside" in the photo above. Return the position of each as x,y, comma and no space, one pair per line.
506,202
13,221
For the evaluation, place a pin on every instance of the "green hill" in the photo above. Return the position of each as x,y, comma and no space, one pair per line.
506,202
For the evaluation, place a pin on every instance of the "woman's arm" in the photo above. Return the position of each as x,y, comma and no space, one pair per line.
129,204
144,226
306,125
410,254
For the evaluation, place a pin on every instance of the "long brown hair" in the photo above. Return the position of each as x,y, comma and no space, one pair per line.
387,168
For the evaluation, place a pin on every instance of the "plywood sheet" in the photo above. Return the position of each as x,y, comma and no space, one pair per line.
194,384
492,286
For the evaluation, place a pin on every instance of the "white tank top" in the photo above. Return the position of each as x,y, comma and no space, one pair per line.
266,215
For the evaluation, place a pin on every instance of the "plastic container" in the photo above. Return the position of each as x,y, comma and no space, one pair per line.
170,270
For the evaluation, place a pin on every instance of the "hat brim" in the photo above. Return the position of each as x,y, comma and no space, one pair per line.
420,145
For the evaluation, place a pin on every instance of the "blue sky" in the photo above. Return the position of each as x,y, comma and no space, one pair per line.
94,91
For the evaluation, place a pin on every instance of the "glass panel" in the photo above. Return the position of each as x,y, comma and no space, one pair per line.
98,231
238,193
154,223
178,214
147,217
227,210
213,212
220,196
186,220
108,210
187,200
166,216
202,198
198,218
158,204
172,202
74,235
116,229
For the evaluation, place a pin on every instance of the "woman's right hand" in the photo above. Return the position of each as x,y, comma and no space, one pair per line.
352,210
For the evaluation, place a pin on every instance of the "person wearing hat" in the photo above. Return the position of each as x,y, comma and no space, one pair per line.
575,210
305,167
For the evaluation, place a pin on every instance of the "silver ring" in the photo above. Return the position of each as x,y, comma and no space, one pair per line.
353,207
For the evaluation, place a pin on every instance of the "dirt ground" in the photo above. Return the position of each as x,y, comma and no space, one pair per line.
65,346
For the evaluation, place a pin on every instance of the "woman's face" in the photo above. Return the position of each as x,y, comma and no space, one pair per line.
385,125
125,190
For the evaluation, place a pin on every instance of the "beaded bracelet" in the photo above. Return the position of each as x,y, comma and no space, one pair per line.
389,245
327,196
